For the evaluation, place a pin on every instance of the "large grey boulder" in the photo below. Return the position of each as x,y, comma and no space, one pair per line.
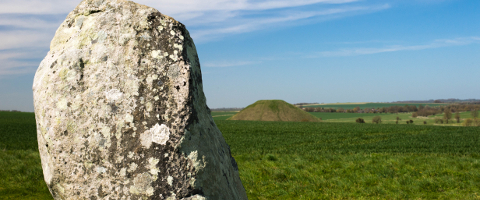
121,112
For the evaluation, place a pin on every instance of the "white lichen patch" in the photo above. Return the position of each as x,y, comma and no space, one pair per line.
129,118
156,54
113,95
149,106
62,104
146,139
133,167
123,172
170,180
101,170
160,134
152,162
106,131
142,184
197,163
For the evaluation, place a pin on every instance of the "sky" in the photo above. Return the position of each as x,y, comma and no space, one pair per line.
324,51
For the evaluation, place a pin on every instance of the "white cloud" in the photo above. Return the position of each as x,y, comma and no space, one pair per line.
22,39
31,24
37,6
244,25
364,51
167,6
17,63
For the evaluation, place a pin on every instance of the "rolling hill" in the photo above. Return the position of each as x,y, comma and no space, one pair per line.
273,110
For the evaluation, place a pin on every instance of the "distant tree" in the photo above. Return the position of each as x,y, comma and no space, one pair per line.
360,120
398,119
468,122
356,109
414,115
382,110
424,122
340,110
411,121
438,121
474,113
377,119
437,101
408,122
457,117
447,115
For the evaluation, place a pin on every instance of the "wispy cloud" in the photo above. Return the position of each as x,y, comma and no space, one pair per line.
27,26
285,18
19,61
364,51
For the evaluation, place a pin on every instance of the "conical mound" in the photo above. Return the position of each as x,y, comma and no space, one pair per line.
273,110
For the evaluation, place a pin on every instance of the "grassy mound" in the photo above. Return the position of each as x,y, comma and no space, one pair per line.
273,110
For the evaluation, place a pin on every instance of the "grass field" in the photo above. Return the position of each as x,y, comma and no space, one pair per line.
294,160
302,160
21,175
222,115
370,105
388,118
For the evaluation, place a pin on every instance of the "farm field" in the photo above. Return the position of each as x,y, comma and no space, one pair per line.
302,160
222,115
370,105
307,160
388,118
21,175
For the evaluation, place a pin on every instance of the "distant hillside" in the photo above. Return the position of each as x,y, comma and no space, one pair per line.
273,110
442,101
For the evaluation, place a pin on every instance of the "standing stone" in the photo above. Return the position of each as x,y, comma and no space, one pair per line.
121,112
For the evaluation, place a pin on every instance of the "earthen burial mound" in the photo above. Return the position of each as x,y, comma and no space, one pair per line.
273,110
121,112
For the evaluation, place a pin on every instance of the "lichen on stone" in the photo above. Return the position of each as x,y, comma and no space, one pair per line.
121,112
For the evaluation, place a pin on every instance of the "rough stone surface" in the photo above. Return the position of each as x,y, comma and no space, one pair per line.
121,112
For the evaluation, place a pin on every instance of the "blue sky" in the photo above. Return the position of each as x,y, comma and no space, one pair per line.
300,51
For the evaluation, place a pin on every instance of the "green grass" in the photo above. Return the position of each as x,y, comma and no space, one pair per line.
21,175
330,116
302,160
388,118
222,115
295,160
371,105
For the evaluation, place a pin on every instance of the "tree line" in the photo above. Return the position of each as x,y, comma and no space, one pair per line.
421,110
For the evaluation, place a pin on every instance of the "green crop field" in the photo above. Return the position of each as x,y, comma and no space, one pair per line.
302,160
388,118
370,105
222,115
21,175
295,160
